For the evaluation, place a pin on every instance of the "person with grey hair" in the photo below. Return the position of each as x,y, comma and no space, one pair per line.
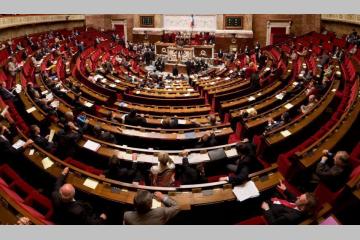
67,209
333,170
145,215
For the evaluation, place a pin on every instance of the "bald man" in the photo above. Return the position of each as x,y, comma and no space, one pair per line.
67,209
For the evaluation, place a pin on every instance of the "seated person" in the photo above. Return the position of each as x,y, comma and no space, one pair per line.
71,211
121,173
272,124
162,173
293,210
67,140
39,140
169,122
7,151
33,92
332,170
111,116
133,119
103,135
311,103
143,213
207,140
244,165
190,175
5,94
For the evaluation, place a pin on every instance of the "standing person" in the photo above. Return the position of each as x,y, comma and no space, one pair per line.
68,210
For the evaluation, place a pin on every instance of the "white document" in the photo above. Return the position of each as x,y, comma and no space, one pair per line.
90,183
190,90
30,110
91,145
88,104
187,94
55,104
137,92
117,81
231,153
249,110
51,135
252,98
295,83
49,97
267,69
44,92
18,88
31,152
46,162
181,121
285,133
155,204
280,96
112,85
217,78
246,191
227,78
198,157
288,106
212,83
19,143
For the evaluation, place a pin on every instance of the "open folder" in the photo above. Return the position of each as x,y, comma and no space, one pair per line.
246,191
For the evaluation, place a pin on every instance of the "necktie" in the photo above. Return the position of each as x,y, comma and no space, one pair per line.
284,202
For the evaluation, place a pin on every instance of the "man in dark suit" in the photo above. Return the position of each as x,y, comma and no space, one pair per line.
67,141
187,174
333,170
39,140
290,211
7,151
5,94
145,215
133,119
207,141
67,209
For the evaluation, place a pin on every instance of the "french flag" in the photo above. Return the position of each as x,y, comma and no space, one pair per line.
192,24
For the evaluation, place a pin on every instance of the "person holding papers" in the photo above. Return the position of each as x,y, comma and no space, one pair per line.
291,210
39,140
188,174
68,210
7,150
144,214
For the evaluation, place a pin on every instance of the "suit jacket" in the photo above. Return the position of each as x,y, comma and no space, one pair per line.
67,143
42,142
72,213
6,150
332,175
189,175
136,121
280,214
155,216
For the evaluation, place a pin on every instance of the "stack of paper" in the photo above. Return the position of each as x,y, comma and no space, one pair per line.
30,110
55,104
252,98
155,204
288,106
117,81
88,104
46,162
227,78
51,136
280,96
246,191
231,153
181,121
19,143
44,92
93,146
112,85
285,133
90,183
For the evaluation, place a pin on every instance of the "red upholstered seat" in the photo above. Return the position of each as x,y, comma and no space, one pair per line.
7,174
355,172
84,166
13,195
257,220
41,203
22,188
323,194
